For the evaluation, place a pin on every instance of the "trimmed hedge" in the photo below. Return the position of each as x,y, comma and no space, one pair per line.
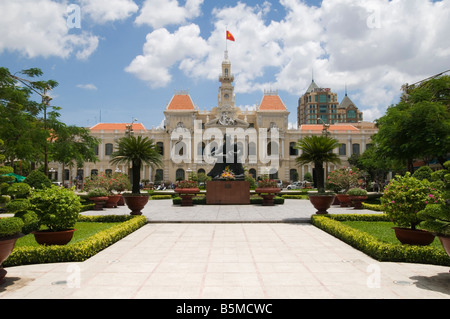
375,207
289,196
82,250
376,249
161,197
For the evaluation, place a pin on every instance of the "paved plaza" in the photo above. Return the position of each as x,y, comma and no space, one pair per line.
228,252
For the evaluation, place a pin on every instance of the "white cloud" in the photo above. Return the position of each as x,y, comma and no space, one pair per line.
160,13
374,46
102,11
163,50
39,28
89,86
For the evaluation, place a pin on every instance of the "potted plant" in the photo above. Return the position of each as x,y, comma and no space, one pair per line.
319,150
10,231
187,190
357,196
344,179
136,151
436,219
267,189
99,196
57,208
121,183
402,199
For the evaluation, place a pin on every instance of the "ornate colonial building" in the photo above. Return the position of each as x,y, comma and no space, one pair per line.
191,139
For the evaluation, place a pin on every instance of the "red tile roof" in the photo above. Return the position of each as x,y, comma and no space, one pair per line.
181,102
117,126
272,103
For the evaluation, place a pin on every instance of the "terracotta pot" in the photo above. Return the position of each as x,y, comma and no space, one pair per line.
357,201
99,202
6,247
445,241
47,237
344,200
268,194
136,203
416,237
112,201
187,194
321,202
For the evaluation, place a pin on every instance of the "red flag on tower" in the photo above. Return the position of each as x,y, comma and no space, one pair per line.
230,36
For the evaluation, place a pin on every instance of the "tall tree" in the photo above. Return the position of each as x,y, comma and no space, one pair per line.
418,126
72,145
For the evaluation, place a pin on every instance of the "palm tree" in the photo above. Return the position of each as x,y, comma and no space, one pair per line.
318,150
137,151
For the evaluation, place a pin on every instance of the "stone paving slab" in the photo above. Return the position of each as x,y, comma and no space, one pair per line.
254,255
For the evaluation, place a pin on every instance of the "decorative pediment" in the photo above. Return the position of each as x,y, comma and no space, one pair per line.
226,115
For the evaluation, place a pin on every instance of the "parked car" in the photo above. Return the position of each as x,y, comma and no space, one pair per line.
295,185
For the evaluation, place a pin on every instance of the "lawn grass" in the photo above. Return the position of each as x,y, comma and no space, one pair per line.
83,231
382,231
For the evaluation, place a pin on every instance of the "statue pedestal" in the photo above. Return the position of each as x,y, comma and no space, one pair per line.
227,193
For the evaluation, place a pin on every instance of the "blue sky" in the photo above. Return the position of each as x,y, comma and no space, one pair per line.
129,56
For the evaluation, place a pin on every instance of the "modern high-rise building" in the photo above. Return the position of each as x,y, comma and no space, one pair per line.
320,105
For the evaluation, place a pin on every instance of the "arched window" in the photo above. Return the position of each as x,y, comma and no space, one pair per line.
108,171
179,175
292,150
108,149
161,147
201,171
272,148
293,175
94,172
252,172
159,174
355,148
343,149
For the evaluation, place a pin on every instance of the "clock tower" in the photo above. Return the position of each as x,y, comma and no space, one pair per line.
226,89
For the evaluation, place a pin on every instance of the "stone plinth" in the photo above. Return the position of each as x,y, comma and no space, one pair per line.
227,193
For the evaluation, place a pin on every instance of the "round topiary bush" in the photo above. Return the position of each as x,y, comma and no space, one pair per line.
56,207
19,190
10,226
30,220
38,180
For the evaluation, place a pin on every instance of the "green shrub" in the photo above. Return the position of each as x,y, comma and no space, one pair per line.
6,170
18,205
405,196
161,197
376,249
357,192
30,220
4,199
38,180
19,190
289,196
422,173
375,207
56,207
436,219
79,251
97,192
10,226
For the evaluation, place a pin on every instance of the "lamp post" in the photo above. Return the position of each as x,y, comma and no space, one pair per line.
129,128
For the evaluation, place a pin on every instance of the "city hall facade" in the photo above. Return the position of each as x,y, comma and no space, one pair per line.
190,138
